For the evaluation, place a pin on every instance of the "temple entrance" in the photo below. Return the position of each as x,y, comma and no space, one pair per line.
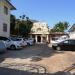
38,38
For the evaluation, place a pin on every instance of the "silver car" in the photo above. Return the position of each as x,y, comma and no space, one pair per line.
2,47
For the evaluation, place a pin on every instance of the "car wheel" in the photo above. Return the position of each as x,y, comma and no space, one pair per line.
58,48
12,47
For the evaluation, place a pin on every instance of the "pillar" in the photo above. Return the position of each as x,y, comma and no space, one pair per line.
36,38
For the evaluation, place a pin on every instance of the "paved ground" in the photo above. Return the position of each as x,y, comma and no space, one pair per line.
43,55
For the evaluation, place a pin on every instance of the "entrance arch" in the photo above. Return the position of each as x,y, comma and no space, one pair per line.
38,38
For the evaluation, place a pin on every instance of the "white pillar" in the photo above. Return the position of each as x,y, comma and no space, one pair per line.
36,38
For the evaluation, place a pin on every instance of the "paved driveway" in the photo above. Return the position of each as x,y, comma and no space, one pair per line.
53,61
41,50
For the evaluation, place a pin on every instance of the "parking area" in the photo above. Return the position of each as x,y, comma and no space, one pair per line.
38,54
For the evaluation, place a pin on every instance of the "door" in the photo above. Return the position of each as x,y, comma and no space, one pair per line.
39,38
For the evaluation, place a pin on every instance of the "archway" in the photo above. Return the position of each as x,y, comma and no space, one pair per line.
38,38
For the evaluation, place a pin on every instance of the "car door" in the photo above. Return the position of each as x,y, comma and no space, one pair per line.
2,46
65,45
71,44
8,42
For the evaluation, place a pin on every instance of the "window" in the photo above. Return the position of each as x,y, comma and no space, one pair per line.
72,42
66,42
3,38
5,10
5,27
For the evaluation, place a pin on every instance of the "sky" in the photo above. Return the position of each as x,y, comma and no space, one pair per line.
50,11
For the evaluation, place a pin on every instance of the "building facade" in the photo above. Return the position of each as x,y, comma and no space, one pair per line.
40,32
5,7
72,32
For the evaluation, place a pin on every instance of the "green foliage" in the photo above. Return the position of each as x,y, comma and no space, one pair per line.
23,26
60,27
20,27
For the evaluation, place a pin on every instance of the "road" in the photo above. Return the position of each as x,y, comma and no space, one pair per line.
14,62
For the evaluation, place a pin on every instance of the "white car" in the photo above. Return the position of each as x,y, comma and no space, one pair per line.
29,42
10,43
31,39
60,39
2,47
20,41
14,45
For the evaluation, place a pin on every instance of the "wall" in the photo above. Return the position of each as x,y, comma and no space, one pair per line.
72,35
4,19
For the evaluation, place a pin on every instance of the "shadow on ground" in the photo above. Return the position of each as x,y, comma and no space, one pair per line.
48,51
1,57
8,71
41,50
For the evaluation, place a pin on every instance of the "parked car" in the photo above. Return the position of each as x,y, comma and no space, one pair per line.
54,39
10,43
31,39
29,42
15,45
65,45
19,41
2,47
59,39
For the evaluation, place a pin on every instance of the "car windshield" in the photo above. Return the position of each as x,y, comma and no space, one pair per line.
16,39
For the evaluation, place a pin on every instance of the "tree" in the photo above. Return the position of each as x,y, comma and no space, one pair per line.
12,23
60,27
23,26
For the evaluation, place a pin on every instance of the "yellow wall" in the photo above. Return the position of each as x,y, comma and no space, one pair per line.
4,4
